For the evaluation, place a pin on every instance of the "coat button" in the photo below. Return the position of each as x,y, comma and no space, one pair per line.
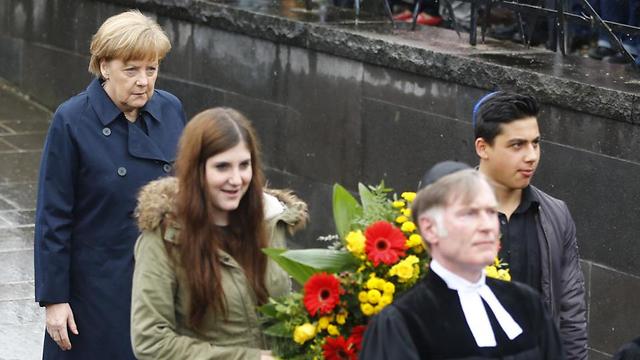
166,168
106,131
122,171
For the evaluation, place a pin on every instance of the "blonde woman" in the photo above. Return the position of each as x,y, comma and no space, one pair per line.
102,146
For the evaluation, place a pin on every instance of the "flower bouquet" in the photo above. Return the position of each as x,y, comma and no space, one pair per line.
376,255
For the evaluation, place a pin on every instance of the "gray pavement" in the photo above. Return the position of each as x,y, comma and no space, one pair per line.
23,127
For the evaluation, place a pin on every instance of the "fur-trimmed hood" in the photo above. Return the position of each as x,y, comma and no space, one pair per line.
156,202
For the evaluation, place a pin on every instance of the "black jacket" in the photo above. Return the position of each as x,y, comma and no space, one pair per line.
428,323
562,280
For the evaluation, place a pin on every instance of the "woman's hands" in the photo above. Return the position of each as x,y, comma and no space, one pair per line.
59,317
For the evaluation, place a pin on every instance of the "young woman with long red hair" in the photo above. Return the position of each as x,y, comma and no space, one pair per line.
200,272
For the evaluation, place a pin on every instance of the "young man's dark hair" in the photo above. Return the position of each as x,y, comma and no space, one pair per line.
499,108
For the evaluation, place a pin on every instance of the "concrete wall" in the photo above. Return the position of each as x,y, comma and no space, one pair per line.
325,119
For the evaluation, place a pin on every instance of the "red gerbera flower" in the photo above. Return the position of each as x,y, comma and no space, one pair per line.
356,337
321,293
338,349
385,243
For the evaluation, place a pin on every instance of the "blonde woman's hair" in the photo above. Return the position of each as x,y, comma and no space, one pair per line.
128,36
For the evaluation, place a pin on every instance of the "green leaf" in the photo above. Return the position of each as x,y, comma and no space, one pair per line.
345,209
367,197
332,261
269,309
278,329
299,272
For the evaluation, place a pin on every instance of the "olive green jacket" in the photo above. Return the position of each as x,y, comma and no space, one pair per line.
160,298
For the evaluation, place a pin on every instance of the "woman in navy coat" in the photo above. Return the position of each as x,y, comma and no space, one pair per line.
103,145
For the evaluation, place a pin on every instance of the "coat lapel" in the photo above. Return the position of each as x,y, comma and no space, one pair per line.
142,146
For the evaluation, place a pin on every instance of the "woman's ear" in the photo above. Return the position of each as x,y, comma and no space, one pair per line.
104,69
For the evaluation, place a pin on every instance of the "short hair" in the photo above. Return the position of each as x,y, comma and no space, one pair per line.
461,185
499,108
128,36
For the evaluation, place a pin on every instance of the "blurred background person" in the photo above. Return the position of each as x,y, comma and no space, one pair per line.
621,11
428,11
102,146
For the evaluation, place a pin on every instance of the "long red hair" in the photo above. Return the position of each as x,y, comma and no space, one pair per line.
209,133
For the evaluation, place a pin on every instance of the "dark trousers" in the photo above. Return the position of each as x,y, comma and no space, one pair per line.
624,12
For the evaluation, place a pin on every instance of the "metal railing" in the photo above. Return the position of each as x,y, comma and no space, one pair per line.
559,16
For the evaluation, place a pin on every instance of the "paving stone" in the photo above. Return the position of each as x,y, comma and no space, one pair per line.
16,266
4,205
18,217
19,167
19,290
15,232
13,107
22,342
23,126
5,146
21,195
25,141
12,238
20,312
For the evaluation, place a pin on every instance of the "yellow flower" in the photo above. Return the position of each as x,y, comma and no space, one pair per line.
411,260
372,282
304,333
408,226
373,296
496,262
402,270
324,321
378,308
414,240
401,219
356,242
333,330
491,271
503,274
409,196
405,269
386,299
398,204
406,212
341,318
362,296
389,288
367,309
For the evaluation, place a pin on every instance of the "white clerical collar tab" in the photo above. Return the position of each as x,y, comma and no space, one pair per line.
471,296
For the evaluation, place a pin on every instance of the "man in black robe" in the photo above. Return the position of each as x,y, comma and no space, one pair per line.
455,312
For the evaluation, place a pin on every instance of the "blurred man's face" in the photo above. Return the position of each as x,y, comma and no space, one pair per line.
512,159
470,238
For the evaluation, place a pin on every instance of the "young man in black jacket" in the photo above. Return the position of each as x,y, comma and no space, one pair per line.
538,232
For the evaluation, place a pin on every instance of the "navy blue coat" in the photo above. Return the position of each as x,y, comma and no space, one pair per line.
93,164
